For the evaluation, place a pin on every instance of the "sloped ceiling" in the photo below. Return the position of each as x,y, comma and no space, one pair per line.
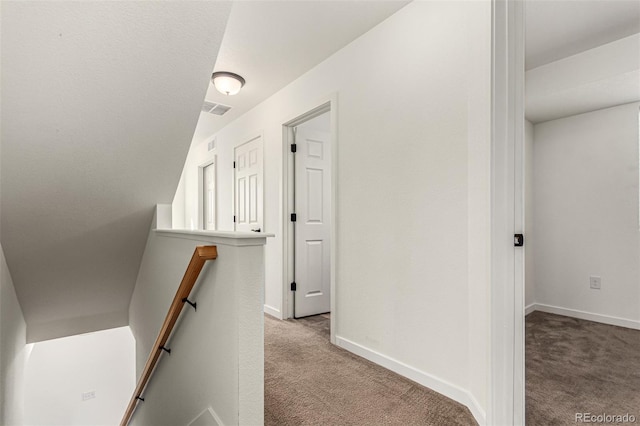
560,28
99,104
580,56
271,43
598,78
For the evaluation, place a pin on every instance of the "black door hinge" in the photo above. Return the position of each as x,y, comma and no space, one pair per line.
293,217
294,147
234,164
518,240
234,218
293,286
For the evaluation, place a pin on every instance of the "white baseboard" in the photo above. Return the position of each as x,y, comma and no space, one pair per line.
529,308
441,386
589,316
272,311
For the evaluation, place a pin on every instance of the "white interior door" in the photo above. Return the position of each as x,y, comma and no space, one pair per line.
312,226
209,196
248,186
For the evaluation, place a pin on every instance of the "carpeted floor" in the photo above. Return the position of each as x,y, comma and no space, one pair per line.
309,381
576,366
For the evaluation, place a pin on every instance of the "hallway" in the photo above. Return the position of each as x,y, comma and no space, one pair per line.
309,381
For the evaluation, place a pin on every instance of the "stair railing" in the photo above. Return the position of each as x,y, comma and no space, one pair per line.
200,255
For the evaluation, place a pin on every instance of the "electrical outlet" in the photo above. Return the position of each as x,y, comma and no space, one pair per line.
594,282
88,395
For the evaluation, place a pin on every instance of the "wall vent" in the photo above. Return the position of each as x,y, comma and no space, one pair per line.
211,144
213,108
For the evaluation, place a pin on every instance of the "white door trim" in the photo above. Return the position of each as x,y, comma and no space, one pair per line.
330,103
506,387
201,168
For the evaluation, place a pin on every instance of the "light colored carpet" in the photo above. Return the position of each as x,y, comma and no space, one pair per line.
309,381
576,366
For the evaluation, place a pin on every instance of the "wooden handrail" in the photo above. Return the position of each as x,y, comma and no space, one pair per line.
200,256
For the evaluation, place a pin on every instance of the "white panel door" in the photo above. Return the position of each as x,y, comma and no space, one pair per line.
248,186
209,196
312,226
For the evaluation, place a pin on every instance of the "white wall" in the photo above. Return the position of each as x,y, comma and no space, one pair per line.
478,204
178,206
14,352
61,370
530,288
586,213
217,351
130,78
413,189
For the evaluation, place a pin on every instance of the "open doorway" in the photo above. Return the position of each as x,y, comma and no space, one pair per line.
309,210
582,239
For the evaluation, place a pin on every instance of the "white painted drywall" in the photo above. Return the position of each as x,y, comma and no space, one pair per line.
529,279
586,212
413,187
478,208
61,370
217,352
177,205
560,28
271,43
114,119
14,351
598,78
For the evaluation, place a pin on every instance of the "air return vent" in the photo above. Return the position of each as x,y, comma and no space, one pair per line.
213,108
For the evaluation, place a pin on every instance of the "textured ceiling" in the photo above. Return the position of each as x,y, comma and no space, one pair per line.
99,103
602,77
271,43
580,56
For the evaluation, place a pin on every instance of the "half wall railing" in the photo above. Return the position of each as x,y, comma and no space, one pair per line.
200,255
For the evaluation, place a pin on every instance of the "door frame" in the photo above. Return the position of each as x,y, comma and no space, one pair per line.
328,104
201,206
506,382
258,135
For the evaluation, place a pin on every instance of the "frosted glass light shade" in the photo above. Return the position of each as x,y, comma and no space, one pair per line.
227,83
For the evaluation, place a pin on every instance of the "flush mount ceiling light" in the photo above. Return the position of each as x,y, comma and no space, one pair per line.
227,83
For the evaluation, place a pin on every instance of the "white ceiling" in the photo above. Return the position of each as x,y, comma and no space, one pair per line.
556,29
580,56
99,103
271,43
